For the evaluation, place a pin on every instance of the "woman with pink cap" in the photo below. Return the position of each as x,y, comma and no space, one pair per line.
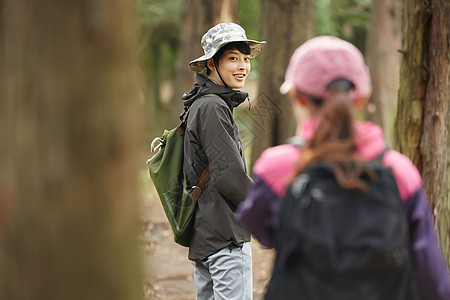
326,80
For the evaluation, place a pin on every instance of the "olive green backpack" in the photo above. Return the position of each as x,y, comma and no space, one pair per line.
166,170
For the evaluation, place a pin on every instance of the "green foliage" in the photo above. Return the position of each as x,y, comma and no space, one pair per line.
249,12
161,21
155,11
347,19
161,25
159,35
323,22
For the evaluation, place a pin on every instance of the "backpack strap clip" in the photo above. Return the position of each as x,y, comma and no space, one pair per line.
157,144
197,190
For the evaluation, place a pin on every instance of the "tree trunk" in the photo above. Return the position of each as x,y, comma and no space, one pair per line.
285,25
423,112
434,143
383,59
225,11
414,77
69,98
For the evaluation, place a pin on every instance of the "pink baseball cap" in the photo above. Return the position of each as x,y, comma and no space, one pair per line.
323,59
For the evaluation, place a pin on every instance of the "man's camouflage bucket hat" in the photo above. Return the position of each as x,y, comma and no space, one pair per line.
217,37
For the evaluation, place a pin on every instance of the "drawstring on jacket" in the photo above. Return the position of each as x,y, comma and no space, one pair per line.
226,85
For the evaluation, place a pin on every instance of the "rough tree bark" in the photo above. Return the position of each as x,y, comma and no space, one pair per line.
285,25
436,154
383,59
423,113
69,98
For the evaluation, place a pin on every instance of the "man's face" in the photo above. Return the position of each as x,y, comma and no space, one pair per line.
233,67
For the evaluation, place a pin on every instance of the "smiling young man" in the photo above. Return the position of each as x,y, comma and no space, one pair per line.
234,62
219,249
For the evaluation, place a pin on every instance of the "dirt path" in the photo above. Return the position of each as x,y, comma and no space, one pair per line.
168,274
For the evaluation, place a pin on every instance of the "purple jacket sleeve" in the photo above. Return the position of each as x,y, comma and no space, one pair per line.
257,213
431,270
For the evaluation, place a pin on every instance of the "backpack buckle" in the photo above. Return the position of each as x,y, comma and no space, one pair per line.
195,192
156,144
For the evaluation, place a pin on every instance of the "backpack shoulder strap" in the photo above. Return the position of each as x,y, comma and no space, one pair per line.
197,189
183,118
379,158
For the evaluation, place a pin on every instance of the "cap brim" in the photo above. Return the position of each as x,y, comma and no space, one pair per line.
286,87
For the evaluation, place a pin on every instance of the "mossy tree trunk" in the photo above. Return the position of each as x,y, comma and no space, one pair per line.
423,114
285,25
70,114
435,140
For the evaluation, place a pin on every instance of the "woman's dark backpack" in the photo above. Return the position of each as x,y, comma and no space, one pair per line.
334,243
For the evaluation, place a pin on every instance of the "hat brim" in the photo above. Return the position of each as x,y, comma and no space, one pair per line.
199,65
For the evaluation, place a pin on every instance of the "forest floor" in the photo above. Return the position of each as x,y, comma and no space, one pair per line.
168,273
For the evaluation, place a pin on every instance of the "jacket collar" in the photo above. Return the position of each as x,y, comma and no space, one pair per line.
370,141
204,86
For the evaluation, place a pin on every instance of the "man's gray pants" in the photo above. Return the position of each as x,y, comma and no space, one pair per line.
225,275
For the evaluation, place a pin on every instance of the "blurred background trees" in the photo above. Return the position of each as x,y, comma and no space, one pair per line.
273,121
382,44
418,127
171,31
71,147
72,103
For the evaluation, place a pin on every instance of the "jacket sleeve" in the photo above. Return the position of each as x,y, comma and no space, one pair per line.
272,173
431,270
216,132
430,267
257,213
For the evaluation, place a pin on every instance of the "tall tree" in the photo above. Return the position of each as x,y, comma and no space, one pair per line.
70,112
435,140
285,24
423,113
383,59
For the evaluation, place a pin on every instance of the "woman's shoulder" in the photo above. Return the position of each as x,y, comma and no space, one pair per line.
277,165
406,174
